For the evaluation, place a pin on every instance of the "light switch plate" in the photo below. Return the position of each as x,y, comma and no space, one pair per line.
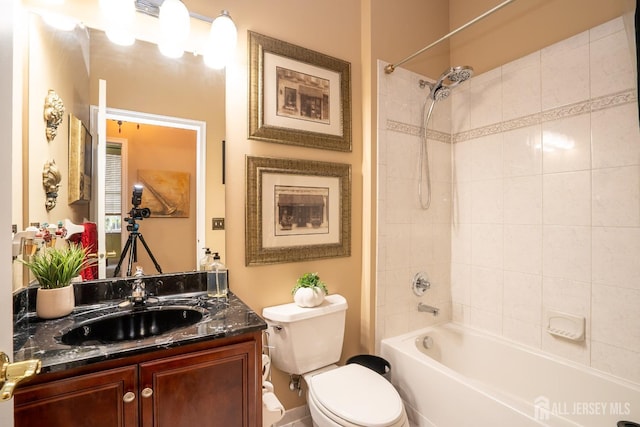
217,223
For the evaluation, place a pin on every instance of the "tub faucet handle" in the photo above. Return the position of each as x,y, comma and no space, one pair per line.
420,283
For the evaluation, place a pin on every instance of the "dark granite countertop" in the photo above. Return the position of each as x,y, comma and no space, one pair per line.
37,338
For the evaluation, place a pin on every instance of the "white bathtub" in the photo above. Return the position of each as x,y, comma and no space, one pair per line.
469,378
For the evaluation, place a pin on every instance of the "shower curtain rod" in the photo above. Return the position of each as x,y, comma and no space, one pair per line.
391,67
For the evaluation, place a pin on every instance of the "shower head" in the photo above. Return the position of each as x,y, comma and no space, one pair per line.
451,78
440,93
457,75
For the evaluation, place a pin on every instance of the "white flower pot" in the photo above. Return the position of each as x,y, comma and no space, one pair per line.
308,297
54,303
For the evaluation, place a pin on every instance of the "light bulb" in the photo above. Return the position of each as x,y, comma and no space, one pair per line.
119,15
223,38
174,28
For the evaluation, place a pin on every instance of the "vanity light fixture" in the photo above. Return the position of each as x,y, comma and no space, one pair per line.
221,45
174,28
218,49
119,16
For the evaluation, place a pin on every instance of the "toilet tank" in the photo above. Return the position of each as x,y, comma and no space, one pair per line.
303,339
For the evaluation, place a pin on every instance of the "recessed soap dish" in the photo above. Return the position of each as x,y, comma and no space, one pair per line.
565,325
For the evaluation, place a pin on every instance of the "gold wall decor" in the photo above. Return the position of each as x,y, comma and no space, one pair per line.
296,210
80,165
298,96
53,113
51,182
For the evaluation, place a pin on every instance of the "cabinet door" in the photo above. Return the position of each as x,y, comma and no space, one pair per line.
93,400
208,388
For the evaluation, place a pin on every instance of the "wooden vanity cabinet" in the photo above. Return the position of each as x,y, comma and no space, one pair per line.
215,385
208,388
95,400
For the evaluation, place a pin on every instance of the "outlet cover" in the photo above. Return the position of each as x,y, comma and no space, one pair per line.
217,223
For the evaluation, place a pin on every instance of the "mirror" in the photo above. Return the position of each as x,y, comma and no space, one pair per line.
143,89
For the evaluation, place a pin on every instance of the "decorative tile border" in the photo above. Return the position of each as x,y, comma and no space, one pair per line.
413,130
596,104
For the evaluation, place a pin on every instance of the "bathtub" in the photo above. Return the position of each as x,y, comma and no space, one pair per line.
470,378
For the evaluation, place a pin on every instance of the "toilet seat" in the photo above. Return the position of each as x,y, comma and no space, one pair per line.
353,395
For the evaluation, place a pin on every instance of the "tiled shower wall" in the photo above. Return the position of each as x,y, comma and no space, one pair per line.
410,239
545,211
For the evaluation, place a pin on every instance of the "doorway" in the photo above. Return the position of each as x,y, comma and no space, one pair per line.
162,233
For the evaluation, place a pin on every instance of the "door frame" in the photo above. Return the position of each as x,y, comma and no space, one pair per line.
200,127
10,133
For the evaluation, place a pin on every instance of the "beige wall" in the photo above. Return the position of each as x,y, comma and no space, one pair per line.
46,71
399,30
522,27
331,27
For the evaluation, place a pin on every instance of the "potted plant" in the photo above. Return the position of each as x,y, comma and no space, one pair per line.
55,269
309,290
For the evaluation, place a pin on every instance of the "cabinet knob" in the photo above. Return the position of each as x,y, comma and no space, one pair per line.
147,392
129,397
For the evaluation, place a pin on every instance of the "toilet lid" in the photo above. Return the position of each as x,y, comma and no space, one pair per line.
358,395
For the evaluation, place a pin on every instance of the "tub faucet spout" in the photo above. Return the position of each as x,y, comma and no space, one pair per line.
428,309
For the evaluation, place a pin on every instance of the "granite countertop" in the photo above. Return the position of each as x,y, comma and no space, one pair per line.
37,338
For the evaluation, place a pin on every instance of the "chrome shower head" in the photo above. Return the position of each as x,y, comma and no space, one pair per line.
455,75
451,78
460,74
440,93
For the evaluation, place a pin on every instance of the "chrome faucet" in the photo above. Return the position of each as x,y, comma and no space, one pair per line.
420,283
138,292
428,309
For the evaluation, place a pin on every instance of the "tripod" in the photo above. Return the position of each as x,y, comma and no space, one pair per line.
132,247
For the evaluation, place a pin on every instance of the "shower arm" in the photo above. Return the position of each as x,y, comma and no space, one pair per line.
391,67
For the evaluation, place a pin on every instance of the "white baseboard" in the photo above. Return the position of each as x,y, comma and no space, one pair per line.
296,417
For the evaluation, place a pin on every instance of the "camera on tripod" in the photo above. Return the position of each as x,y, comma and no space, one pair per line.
131,247
136,212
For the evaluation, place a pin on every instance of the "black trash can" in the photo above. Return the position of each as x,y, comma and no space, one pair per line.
375,363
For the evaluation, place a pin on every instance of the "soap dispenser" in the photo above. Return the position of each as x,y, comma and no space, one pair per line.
217,278
206,262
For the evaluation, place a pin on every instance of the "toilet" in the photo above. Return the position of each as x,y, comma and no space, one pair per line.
307,342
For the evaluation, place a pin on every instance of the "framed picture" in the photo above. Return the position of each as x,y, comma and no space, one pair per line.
80,164
167,193
298,96
297,210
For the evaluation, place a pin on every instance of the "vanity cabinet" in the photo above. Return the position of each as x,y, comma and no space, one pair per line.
197,385
95,400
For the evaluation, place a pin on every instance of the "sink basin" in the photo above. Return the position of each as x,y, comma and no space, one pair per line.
131,325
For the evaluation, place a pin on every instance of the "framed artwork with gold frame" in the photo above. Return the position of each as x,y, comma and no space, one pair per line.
297,210
80,161
298,96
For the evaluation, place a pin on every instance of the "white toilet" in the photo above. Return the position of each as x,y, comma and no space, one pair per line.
308,342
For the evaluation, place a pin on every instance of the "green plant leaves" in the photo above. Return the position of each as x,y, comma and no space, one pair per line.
55,267
310,280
